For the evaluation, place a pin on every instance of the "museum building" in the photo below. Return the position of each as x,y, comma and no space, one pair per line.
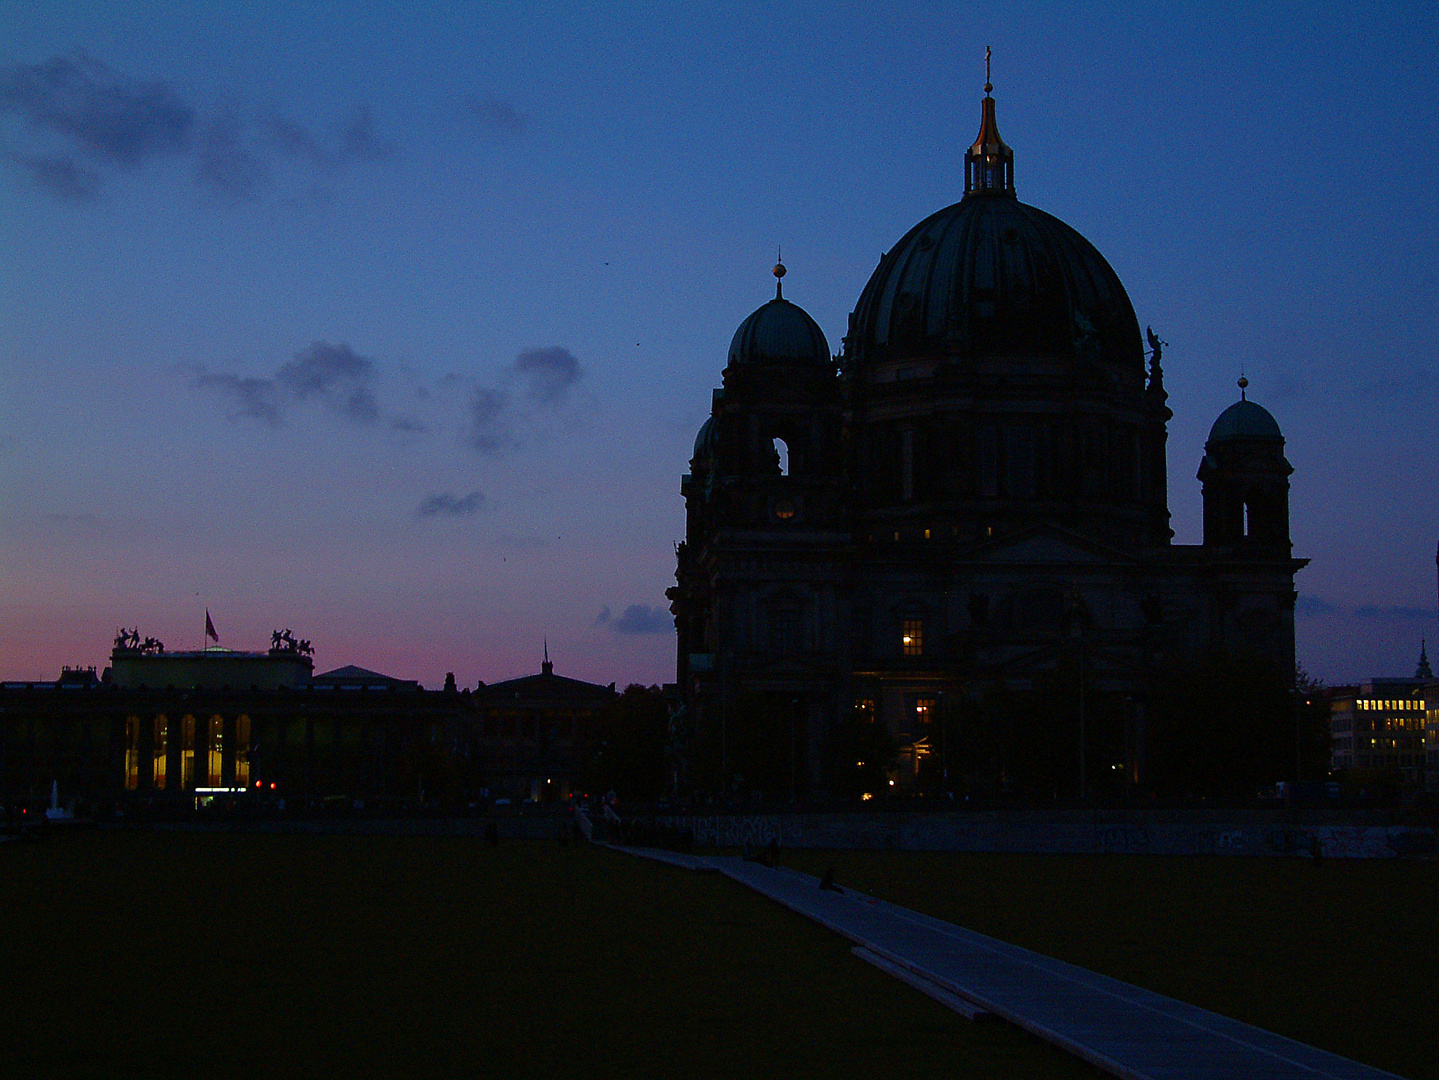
179,729
970,499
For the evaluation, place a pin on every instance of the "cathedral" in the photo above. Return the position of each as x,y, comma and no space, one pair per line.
947,549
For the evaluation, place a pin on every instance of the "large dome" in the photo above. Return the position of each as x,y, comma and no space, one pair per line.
991,276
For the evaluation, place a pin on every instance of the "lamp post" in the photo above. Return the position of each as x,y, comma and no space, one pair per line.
1076,631
793,751
943,745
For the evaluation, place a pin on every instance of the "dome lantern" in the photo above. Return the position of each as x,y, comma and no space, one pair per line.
989,163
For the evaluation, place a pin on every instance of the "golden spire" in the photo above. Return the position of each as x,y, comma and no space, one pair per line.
989,163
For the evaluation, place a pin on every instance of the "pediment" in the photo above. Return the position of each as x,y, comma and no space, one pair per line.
1045,546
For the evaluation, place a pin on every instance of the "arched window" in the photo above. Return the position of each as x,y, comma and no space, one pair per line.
782,454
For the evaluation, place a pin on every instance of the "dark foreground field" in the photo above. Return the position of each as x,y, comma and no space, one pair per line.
1343,954
182,955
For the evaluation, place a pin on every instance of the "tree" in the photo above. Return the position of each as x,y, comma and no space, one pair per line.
1222,727
626,750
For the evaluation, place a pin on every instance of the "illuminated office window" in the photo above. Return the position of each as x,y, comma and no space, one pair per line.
242,751
911,637
187,753
162,731
216,755
132,753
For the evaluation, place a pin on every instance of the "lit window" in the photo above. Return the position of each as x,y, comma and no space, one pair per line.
216,755
162,731
923,710
132,753
912,637
242,751
864,710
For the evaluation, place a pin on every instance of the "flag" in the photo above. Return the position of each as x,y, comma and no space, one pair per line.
210,627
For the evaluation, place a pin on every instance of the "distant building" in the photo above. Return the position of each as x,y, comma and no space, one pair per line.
1380,726
1429,686
529,732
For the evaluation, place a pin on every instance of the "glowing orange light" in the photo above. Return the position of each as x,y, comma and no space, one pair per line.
272,785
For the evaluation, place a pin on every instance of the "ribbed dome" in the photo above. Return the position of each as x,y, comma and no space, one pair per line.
1245,420
992,276
779,333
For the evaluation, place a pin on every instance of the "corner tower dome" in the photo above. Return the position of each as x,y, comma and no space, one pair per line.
779,333
993,277
1245,420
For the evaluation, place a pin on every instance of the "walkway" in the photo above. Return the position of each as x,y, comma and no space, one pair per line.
1120,1028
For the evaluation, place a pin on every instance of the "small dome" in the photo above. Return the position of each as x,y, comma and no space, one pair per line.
1245,420
779,333
705,440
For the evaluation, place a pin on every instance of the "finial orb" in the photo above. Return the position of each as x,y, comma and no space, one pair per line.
779,270
1243,383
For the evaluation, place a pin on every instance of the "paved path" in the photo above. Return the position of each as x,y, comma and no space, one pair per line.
1122,1029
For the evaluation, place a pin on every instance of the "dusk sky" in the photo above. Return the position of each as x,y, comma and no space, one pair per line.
394,324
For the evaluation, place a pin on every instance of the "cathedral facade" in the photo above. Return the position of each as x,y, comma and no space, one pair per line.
950,543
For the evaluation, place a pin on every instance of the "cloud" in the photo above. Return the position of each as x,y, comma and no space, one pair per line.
1308,607
449,504
493,418
486,430
1394,613
224,164
335,373
497,115
637,619
61,176
251,398
290,140
549,373
360,140
496,424
1402,384
322,367
118,122
110,116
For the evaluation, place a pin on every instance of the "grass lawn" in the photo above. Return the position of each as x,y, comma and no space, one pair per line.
1342,955
134,954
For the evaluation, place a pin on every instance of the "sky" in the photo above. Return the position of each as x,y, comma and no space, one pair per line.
393,324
